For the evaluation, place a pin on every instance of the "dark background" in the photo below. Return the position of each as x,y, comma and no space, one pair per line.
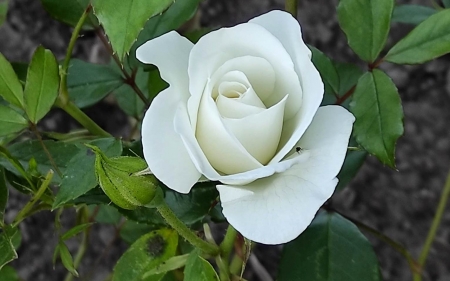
400,203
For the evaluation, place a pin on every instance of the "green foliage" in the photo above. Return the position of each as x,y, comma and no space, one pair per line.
427,41
145,254
3,194
7,249
107,214
379,115
41,88
177,14
61,153
123,20
332,248
132,231
446,3
10,87
79,177
88,83
74,231
11,121
70,11
412,14
199,269
366,24
8,273
66,258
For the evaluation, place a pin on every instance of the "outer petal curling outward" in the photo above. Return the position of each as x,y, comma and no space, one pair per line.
277,209
164,150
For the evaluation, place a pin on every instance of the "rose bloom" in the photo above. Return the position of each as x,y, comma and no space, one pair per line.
243,109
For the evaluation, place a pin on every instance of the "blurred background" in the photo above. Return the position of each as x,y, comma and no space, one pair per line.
400,203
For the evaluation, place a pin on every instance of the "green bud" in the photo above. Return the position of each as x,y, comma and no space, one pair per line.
118,179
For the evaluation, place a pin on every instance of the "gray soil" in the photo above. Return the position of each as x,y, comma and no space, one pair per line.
400,203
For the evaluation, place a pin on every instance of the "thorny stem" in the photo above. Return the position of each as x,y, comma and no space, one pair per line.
434,227
129,79
84,120
184,231
291,7
63,100
49,156
64,94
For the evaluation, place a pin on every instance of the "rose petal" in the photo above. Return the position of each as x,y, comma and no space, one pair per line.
291,38
218,47
259,133
222,149
232,108
277,209
163,148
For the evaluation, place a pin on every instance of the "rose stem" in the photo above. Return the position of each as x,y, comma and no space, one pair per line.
291,7
63,100
184,231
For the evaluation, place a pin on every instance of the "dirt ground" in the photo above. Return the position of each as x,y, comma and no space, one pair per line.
399,203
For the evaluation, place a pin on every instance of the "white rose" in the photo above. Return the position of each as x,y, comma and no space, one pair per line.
243,109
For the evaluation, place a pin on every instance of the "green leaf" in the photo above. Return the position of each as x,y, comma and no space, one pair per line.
8,273
61,152
132,231
3,194
123,20
412,14
88,83
74,231
21,70
11,121
194,206
427,41
366,24
7,250
66,258
331,248
10,87
107,214
79,177
169,265
199,269
174,17
145,254
41,88
329,74
70,11
3,11
377,107
446,3
353,161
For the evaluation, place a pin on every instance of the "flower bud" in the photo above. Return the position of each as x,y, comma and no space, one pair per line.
118,179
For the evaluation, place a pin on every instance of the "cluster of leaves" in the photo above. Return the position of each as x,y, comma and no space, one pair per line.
331,248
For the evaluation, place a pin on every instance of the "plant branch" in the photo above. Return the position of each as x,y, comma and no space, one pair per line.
413,264
129,79
64,94
49,156
84,120
435,224
291,7
29,206
346,95
184,231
